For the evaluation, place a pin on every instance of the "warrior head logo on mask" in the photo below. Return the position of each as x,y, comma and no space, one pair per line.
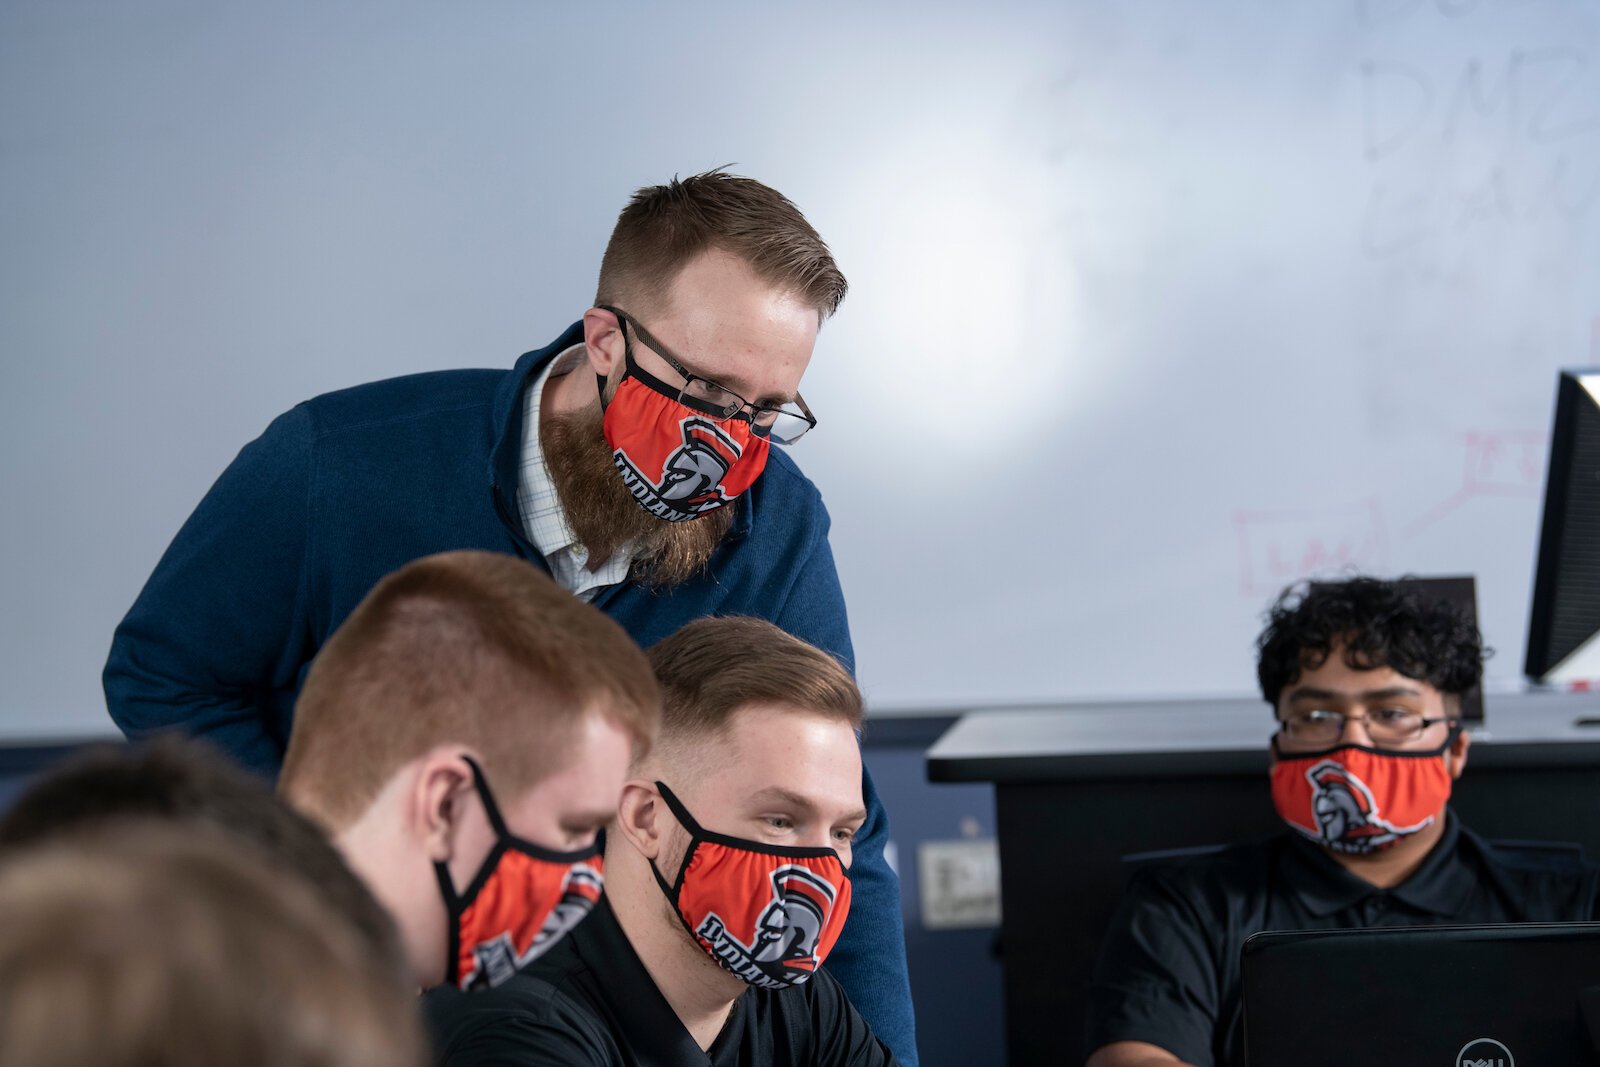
789,928
784,948
498,959
1346,811
1334,797
692,478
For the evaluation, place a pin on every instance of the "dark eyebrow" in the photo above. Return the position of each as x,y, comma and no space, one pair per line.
1312,693
1307,692
777,794
1389,692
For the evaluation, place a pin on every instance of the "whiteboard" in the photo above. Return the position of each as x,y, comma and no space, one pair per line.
1154,305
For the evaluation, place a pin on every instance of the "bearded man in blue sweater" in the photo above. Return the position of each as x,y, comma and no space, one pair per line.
631,458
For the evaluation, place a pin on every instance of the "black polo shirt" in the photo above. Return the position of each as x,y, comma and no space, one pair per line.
1168,971
589,1000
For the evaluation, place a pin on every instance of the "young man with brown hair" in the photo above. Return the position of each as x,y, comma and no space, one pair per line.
631,458
463,736
728,882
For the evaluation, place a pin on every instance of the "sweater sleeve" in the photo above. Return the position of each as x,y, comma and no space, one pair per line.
814,608
219,630
869,959
842,1037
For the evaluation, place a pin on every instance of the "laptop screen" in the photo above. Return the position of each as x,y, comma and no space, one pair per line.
1452,996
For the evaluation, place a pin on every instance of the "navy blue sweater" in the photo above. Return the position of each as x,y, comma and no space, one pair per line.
347,487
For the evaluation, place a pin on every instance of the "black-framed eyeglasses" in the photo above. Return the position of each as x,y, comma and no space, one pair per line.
1386,726
785,423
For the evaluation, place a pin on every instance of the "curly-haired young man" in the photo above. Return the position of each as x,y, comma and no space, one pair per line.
1365,678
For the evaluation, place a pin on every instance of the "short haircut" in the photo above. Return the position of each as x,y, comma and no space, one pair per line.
189,783
665,226
1377,624
160,943
476,649
714,667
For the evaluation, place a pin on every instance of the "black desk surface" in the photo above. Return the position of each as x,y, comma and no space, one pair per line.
1208,737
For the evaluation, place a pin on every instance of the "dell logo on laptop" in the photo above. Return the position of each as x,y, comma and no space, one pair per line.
1484,1052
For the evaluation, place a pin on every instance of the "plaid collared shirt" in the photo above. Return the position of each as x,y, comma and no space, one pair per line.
543,519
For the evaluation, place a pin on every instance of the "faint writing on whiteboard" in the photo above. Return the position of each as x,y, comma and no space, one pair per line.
1496,464
1379,12
1490,142
1538,95
1505,462
1279,547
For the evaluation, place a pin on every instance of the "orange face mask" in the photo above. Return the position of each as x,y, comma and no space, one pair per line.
769,915
1358,800
523,900
679,461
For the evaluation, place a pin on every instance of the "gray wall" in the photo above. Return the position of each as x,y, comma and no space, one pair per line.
1154,305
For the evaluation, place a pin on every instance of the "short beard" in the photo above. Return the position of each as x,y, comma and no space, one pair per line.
604,516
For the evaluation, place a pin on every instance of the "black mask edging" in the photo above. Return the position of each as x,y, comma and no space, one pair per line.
1427,753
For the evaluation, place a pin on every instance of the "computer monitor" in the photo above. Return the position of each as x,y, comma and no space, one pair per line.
1452,996
1564,627
1461,593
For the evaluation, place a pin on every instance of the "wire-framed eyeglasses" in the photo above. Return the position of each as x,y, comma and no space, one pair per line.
1386,726
784,423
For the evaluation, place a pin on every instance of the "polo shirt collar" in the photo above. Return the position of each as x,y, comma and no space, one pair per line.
1441,886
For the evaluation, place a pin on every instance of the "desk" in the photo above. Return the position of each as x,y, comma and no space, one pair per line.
1079,787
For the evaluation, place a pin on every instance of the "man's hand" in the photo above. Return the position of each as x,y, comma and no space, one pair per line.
1132,1054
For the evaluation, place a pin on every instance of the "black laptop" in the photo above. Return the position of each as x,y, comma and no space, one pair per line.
1450,996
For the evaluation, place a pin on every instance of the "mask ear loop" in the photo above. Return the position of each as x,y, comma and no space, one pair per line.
675,890
688,822
631,369
456,904
1456,730
490,808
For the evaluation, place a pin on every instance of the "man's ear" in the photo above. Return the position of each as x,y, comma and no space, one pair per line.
1456,754
642,818
438,796
603,341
